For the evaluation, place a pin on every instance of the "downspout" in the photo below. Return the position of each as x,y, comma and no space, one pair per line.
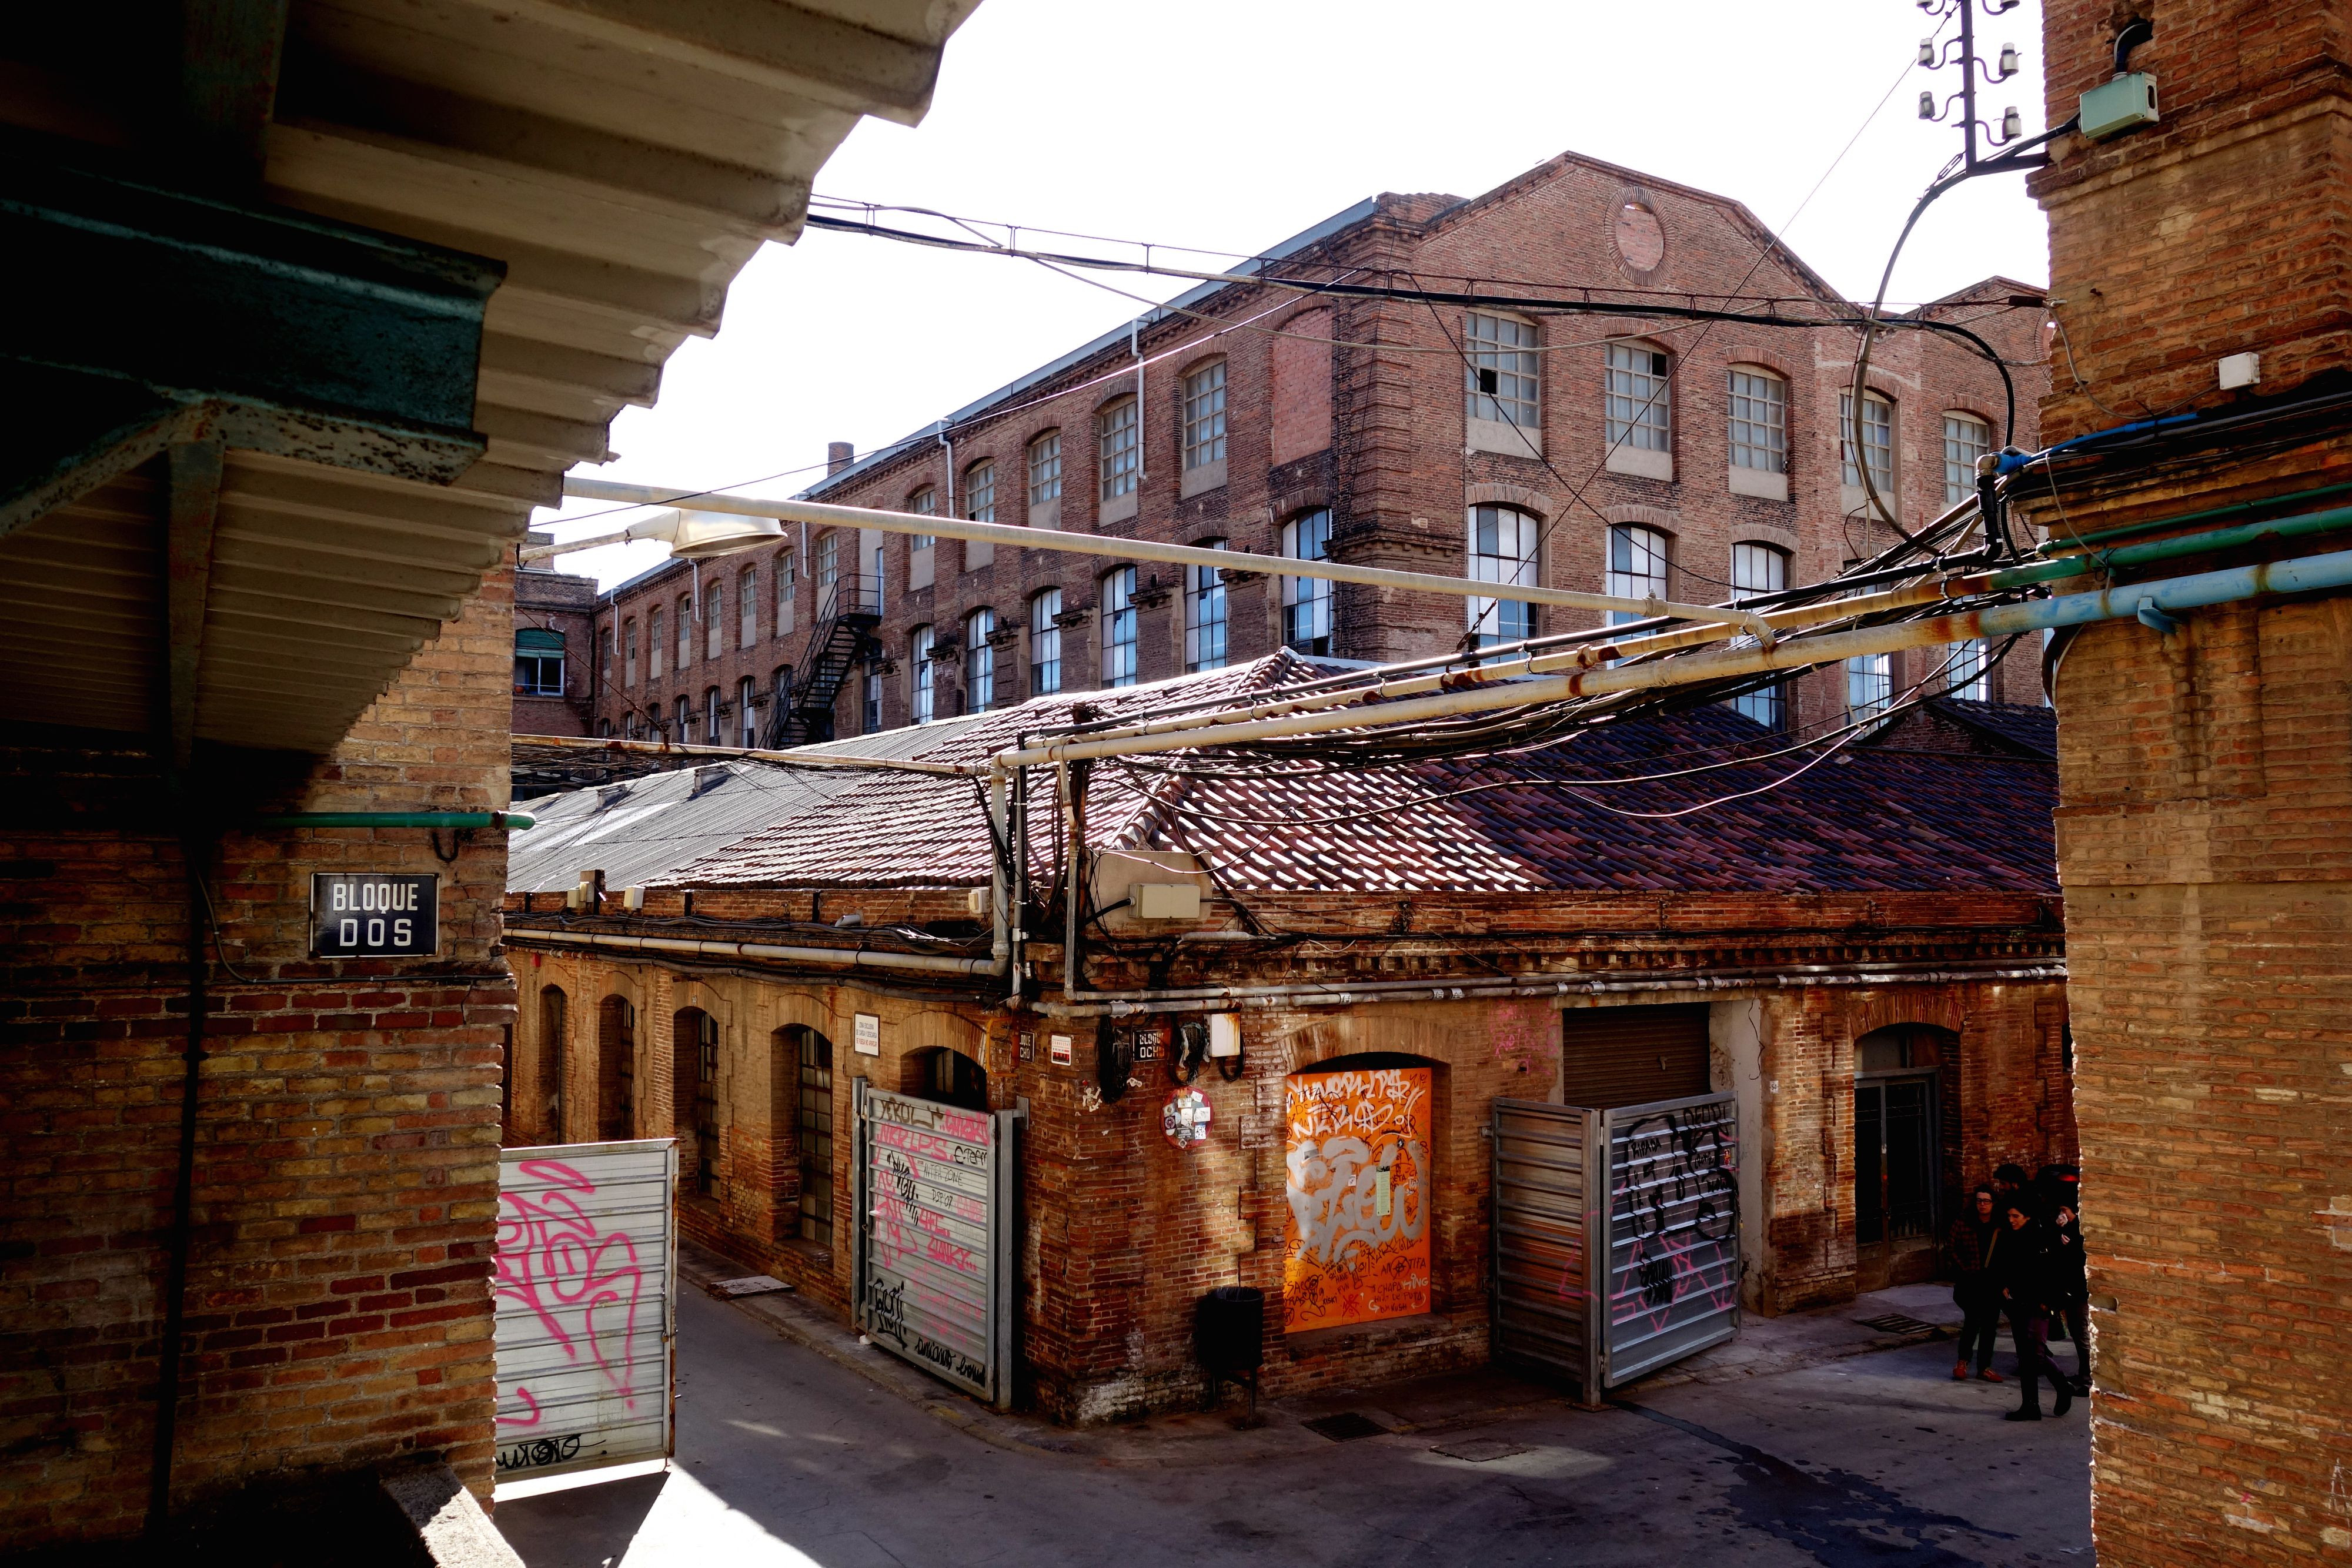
1074,828
1135,347
949,442
195,850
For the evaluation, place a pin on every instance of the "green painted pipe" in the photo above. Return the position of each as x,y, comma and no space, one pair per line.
2333,521
2057,547
510,821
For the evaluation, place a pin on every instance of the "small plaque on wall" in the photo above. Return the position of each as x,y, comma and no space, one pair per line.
869,1037
374,914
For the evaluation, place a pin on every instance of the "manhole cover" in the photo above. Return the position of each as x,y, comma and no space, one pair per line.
1346,1426
1896,1322
1480,1450
750,1285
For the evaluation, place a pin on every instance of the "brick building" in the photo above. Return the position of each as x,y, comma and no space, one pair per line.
352,286
555,614
1615,453
2206,777
1869,956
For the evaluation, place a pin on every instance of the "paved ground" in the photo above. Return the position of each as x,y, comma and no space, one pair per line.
789,1456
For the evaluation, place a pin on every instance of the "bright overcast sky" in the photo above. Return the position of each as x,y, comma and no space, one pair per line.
1233,125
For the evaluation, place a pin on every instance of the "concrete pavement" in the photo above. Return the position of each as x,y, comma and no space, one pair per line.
789,1458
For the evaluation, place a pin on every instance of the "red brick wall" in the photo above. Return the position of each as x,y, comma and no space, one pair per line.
338,1310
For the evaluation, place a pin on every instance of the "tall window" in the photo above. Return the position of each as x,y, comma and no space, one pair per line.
1759,420
780,699
815,1125
1045,643
539,662
979,662
552,1036
706,1103
925,503
1121,457
878,576
1204,615
747,600
1760,568
1119,627
1307,601
1869,685
629,654
828,564
1966,439
870,713
1046,468
1637,567
919,661
1500,375
1204,416
787,583
710,716
1638,407
714,621
683,722
1877,442
745,690
685,630
980,492
654,643
1964,675
1502,549
604,660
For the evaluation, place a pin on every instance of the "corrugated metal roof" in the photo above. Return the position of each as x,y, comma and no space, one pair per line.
623,161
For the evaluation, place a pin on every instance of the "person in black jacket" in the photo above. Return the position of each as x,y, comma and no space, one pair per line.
1975,1237
2022,1263
2069,1293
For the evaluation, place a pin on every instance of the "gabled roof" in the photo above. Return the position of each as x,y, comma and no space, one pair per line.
1616,809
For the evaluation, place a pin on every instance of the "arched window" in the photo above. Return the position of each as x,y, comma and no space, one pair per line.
685,630
1966,439
746,694
603,729
682,733
654,643
1637,567
1046,468
979,662
1639,403
1760,568
800,1075
629,653
1499,370
616,1069
1120,450
787,590
1503,549
945,1075
1758,419
925,503
828,564
714,621
1307,601
1045,643
710,716
552,1036
747,603
922,674
1877,443
1204,615
1204,416
1964,674
1119,627
980,492
694,1047
869,705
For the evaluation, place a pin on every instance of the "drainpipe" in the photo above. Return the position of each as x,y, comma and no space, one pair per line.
948,442
1135,347
1074,828
498,821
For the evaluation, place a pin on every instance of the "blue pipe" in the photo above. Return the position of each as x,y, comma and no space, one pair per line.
2172,595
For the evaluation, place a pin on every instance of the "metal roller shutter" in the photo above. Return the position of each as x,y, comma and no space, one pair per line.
1633,1056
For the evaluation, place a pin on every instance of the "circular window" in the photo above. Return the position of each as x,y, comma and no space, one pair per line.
1640,240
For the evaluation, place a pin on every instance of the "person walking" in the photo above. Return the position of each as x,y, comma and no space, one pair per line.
2070,1292
2023,1266
1969,1251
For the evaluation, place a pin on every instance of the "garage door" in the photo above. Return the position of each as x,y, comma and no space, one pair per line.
1633,1056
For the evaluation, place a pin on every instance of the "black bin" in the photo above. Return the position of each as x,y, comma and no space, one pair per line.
1232,1329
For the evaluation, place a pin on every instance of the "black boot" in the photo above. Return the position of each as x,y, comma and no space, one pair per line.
2029,1412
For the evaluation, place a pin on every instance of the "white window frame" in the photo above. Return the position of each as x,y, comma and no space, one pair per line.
1207,626
1869,685
1119,446
1044,643
869,717
714,621
923,676
1504,546
1638,398
787,590
1204,416
745,690
653,642
629,651
1046,468
1757,419
1966,439
1877,442
1636,566
1760,568
1968,673
1121,630
747,595
1502,379
828,563
685,632
923,503
980,491
978,661
710,706
1307,601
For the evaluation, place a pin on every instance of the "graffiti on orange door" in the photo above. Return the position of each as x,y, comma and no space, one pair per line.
1357,1151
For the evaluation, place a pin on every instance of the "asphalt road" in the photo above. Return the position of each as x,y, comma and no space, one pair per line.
787,1458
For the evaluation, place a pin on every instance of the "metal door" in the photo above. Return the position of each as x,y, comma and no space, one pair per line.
1547,1167
933,1187
586,1287
1894,1159
1673,1282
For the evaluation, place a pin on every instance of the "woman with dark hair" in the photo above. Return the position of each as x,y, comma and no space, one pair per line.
1970,1249
2071,1294
2022,1264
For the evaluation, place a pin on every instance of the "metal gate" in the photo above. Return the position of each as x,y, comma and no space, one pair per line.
933,1187
586,1286
1616,1236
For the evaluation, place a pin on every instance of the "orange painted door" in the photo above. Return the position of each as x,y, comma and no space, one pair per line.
1357,1150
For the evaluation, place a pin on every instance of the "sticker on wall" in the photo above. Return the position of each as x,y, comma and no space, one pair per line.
1059,1045
1356,1158
1185,1118
869,1037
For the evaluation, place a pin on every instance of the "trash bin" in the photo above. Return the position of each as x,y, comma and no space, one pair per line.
1231,1330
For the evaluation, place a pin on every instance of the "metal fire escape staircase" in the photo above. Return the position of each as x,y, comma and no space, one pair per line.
842,636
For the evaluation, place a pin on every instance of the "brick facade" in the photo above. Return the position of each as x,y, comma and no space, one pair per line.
337,1301
2204,783
1376,429
551,600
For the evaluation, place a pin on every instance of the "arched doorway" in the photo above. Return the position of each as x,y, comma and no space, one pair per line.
1906,1132
616,1069
800,1075
948,1076
549,1108
694,1047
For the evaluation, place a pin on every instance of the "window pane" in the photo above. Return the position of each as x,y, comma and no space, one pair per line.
1307,601
1877,440
1045,469
1119,627
1869,685
924,502
1637,567
1964,676
1500,369
1121,458
1045,643
1503,548
979,662
918,659
1759,422
980,493
1637,406
1966,439
1760,568
1204,416
1204,615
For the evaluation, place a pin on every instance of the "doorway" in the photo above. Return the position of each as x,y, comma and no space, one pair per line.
1899,1093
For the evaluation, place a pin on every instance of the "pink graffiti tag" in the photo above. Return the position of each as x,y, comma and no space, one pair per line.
553,1260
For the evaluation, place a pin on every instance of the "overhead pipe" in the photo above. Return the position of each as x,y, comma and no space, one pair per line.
825,515
850,957
500,821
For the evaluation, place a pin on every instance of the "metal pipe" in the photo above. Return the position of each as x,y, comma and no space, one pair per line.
2057,546
1236,997
758,754
2198,591
853,957
503,822
824,514
1072,836
2334,519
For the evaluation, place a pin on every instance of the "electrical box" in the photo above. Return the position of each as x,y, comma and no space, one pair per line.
1224,1034
975,901
1167,901
2240,370
2124,103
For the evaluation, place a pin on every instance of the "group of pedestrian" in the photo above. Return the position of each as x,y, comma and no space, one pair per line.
2017,1251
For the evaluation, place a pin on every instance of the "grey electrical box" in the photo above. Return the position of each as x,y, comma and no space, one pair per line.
2113,107
1167,901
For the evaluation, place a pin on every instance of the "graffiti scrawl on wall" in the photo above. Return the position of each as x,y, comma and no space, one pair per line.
1356,1149
582,1287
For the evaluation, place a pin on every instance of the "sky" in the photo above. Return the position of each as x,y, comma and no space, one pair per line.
1234,124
